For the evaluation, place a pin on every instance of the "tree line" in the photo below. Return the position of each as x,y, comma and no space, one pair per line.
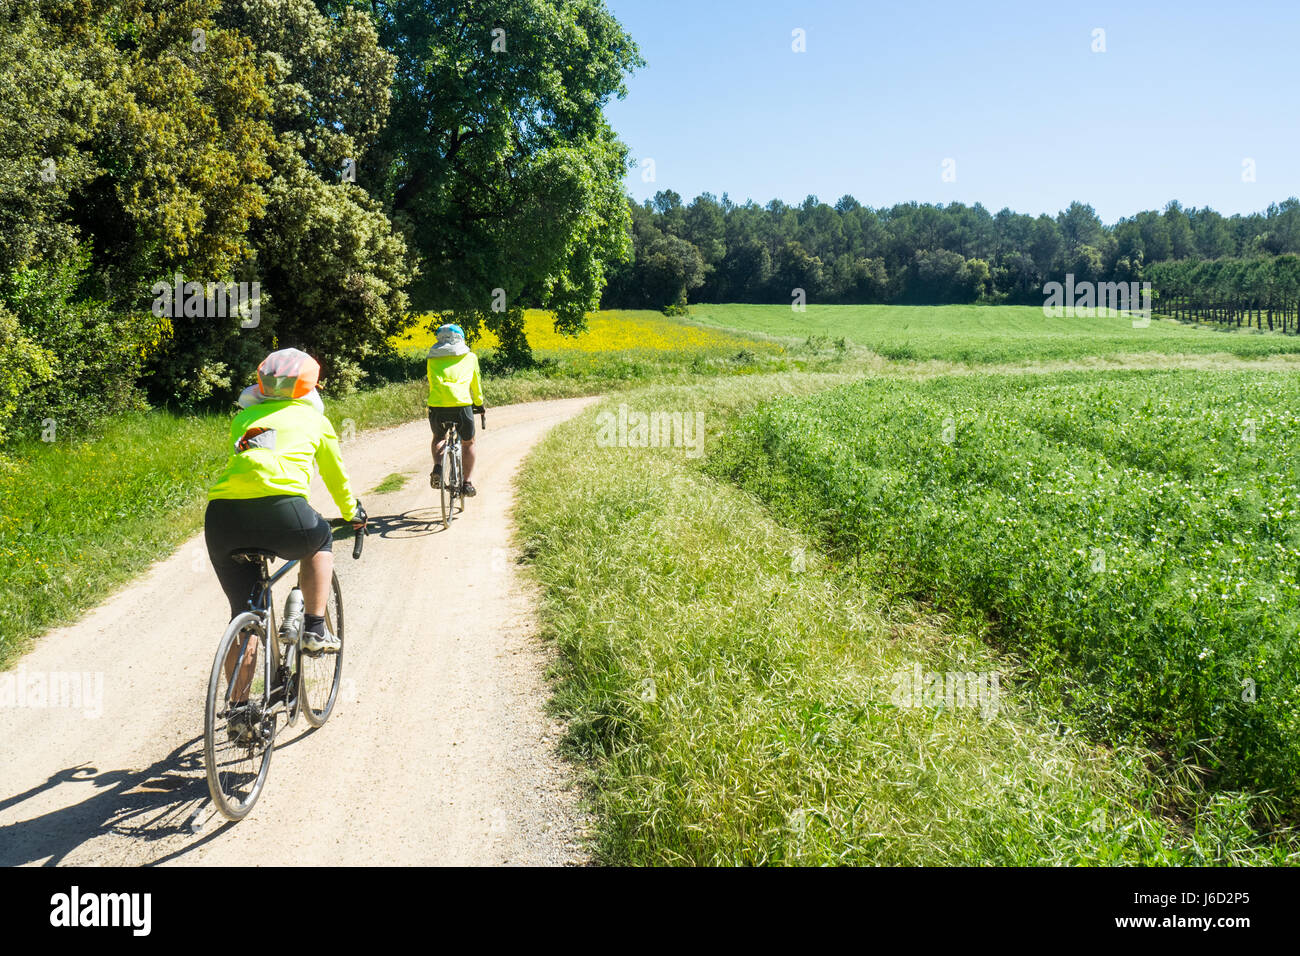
1261,291
345,163
712,250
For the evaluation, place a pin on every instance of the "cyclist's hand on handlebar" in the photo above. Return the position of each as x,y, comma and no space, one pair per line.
480,409
360,518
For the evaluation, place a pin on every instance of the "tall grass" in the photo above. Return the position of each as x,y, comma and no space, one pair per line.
734,704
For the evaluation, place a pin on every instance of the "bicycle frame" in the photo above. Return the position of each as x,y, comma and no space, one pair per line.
260,599
259,603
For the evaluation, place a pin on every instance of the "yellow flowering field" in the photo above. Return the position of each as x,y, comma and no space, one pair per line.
609,331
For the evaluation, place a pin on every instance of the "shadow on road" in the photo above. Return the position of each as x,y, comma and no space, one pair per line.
416,523
148,805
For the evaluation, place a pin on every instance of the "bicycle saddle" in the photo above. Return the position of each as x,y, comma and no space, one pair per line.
252,555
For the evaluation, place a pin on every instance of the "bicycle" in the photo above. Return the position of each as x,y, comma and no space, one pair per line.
453,475
237,753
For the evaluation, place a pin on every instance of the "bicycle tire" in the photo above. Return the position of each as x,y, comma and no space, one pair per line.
229,754
446,489
315,674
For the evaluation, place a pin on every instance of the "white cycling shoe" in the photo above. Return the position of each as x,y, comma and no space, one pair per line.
325,643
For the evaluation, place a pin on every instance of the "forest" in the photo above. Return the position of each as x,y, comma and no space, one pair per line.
714,250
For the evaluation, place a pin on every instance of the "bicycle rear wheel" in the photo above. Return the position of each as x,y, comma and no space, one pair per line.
320,675
238,731
447,486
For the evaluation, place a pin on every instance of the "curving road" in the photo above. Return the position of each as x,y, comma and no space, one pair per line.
439,751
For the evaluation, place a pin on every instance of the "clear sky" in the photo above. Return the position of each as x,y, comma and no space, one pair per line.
1011,91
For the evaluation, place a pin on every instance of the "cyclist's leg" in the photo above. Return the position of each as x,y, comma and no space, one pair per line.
438,426
467,457
226,527
465,425
317,572
313,547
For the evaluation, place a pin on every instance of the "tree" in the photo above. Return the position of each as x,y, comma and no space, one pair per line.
1182,242
338,271
940,276
333,268
670,268
497,160
1080,226
794,269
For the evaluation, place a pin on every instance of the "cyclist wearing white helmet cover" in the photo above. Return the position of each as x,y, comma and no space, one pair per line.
455,394
260,501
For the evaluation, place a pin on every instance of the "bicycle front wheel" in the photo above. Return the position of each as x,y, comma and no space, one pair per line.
238,728
320,674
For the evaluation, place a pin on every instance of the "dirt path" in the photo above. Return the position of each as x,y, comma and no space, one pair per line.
438,751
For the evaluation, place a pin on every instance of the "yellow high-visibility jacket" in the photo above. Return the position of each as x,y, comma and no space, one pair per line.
273,446
454,381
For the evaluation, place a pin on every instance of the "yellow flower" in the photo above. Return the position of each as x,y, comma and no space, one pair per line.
612,331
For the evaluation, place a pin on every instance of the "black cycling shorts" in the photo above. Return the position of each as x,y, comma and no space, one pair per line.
462,416
285,524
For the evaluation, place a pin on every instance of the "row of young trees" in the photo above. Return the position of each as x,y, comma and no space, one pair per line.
713,250
1261,292
350,162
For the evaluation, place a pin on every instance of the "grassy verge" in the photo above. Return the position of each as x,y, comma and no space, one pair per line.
735,703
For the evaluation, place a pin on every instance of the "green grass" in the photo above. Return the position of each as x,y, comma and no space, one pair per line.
983,335
393,482
734,706
1131,537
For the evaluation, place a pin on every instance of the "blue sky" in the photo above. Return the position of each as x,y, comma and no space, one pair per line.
1011,91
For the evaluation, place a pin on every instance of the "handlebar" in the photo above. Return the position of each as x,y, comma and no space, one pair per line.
360,535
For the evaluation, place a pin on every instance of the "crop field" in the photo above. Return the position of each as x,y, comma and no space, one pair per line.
1130,538
981,335
610,334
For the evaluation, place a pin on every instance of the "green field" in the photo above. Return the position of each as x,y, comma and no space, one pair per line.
1130,537
982,335
1120,543
735,706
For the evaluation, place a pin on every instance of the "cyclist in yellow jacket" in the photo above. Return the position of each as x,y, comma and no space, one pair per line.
455,394
260,500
